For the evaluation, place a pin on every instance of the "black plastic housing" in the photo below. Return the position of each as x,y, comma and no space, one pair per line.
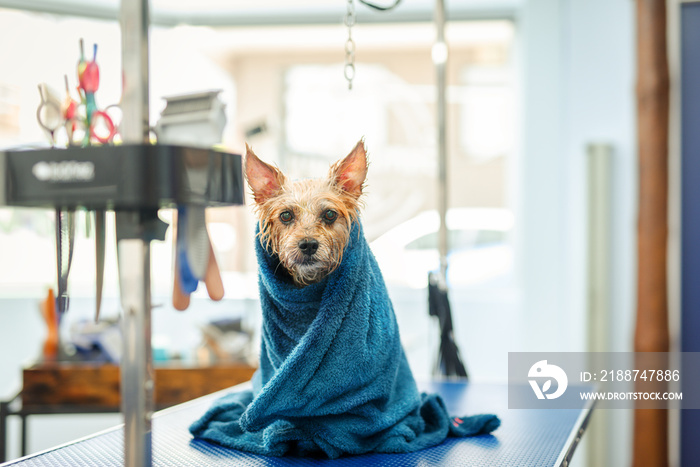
127,177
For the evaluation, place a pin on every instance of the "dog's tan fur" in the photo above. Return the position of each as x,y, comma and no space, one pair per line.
310,204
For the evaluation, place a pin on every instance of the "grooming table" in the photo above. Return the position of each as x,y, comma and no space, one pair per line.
525,438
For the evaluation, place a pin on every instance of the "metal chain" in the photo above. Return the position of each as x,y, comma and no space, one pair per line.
349,20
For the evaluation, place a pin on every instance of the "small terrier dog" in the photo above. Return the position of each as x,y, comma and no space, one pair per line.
307,223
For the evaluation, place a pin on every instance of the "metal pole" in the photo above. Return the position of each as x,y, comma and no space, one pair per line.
133,248
439,54
137,361
134,27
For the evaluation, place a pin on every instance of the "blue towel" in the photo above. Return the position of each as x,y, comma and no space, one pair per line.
333,377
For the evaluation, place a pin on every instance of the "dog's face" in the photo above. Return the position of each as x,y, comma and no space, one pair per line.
307,223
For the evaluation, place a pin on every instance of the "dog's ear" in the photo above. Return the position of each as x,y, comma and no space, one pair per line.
349,174
265,181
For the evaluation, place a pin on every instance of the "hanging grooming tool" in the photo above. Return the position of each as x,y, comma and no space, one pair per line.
184,282
65,238
198,120
88,224
181,300
212,278
188,279
197,241
100,227
194,258
449,359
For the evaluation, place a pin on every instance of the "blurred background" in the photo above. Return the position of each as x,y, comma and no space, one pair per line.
533,85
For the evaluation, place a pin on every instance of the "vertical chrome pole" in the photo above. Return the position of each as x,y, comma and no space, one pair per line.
137,361
133,248
134,27
440,54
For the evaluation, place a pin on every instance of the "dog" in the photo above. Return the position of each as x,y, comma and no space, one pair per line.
307,223
333,378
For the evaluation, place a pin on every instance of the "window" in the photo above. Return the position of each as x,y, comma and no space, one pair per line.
286,96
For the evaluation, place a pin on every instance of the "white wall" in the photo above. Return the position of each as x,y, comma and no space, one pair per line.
578,68
578,87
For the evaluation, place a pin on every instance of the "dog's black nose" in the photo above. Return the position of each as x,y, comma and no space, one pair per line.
308,246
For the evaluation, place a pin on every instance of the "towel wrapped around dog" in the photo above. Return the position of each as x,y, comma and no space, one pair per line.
333,377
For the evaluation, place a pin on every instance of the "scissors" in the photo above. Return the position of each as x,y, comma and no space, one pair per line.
96,124
49,114
53,115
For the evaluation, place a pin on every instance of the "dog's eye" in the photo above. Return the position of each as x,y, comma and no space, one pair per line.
330,215
286,217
